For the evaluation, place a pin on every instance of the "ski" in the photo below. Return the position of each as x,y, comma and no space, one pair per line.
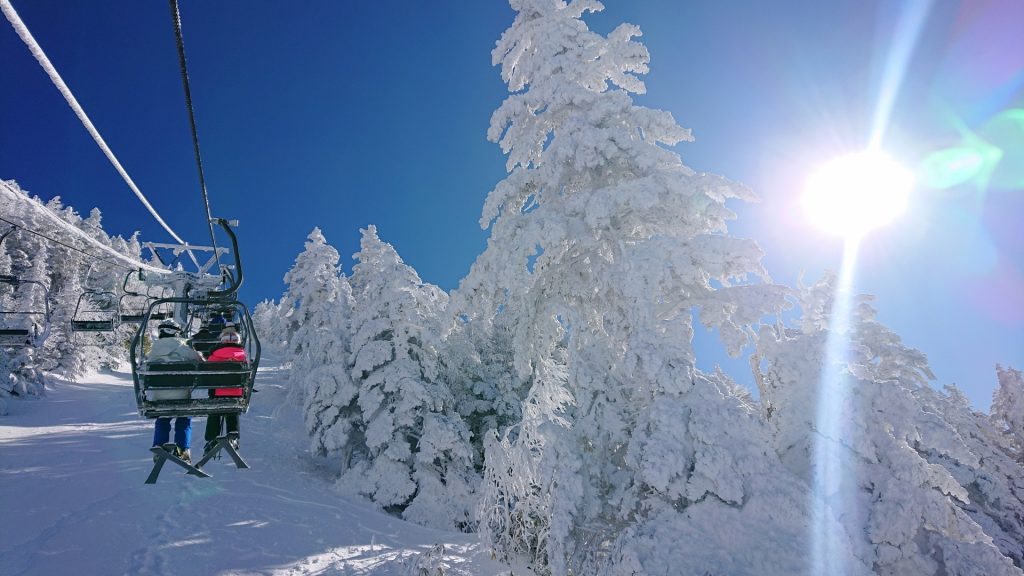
163,455
224,443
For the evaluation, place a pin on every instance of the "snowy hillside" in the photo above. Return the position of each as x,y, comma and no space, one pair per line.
72,466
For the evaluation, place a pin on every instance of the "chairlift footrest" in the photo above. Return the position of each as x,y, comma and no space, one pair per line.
163,455
224,443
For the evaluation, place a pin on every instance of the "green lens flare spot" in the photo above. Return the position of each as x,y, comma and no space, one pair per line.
952,166
1005,132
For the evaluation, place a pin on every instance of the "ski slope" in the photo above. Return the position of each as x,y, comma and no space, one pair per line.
72,467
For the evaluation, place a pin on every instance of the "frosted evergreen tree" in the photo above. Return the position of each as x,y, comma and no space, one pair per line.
65,357
321,305
271,321
96,350
901,507
1008,409
517,490
603,243
967,445
101,283
25,259
16,375
312,278
477,364
417,457
121,338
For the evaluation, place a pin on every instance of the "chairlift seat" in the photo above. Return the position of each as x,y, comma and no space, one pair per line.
174,386
236,375
203,346
92,325
14,337
171,394
208,338
137,318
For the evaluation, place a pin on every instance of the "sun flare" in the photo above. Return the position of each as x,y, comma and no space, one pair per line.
853,194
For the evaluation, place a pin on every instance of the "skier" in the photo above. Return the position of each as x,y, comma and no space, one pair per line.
229,350
171,347
216,321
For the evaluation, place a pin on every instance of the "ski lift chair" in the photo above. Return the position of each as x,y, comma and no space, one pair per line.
164,312
130,308
11,337
209,332
21,334
94,318
204,340
132,305
129,312
172,389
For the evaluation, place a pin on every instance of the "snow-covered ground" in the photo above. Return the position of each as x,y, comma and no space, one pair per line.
73,501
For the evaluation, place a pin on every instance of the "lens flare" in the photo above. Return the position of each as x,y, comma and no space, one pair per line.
856,193
831,458
954,166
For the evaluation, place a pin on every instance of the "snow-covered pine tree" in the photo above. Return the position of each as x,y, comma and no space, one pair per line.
33,297
25,259
603,243
102,283
18,374
477,363
122,337
7,384
517,490
967,445
417,458
64,356
271,321
321,307
96,350
1008,410
898,457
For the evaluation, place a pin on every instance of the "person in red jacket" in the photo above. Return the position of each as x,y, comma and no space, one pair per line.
229,350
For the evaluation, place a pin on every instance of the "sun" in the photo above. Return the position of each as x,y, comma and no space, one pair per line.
853,194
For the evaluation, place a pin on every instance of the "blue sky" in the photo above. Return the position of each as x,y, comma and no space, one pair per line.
343,114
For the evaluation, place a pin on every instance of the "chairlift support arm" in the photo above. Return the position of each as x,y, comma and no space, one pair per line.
177,249
236,279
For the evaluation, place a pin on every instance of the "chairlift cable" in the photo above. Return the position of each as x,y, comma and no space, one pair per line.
68,246
51,71
179,39
71,228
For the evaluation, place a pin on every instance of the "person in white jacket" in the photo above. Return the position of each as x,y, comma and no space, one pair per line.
171,347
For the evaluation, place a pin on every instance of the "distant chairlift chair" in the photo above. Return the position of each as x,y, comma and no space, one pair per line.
95,317
20,335
208,335
132,305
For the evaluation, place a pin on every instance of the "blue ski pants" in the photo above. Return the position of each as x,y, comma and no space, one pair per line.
182,432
